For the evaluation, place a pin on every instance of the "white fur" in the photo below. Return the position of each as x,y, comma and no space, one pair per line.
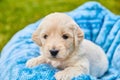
85,58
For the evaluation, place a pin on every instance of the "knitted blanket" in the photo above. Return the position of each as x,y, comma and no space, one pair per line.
99,25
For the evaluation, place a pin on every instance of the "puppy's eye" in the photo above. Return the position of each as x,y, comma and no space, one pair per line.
65,36
45,36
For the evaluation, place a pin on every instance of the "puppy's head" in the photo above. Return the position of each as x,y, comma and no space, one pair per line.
58,35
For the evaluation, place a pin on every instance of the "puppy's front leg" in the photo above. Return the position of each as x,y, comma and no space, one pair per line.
73,71
35,61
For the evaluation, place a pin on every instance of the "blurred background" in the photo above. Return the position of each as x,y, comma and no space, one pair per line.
16,14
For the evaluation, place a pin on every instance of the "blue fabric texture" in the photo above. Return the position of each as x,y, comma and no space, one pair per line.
99,25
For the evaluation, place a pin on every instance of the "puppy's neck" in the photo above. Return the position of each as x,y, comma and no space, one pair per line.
78,51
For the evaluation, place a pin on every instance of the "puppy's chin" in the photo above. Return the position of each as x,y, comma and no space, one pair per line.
56,58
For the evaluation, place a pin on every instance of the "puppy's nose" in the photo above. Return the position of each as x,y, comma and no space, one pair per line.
54,52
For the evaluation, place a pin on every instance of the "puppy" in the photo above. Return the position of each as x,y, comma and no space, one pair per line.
63,46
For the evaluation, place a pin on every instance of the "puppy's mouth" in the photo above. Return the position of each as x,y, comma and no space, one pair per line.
56,58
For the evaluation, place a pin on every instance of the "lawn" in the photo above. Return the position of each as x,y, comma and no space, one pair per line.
16,14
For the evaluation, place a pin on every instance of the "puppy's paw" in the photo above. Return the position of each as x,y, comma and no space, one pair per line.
63,75
31,63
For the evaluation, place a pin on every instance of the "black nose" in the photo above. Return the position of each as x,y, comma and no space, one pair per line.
54,52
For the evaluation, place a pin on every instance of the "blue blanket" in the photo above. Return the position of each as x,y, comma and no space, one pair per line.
99,25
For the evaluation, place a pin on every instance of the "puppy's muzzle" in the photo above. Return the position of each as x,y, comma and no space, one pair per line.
54,52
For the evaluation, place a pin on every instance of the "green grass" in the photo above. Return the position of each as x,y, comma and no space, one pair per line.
16,14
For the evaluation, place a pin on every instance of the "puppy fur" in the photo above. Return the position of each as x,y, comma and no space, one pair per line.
76,55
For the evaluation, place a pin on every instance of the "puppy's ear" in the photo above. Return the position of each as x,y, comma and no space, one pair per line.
78,35
36,37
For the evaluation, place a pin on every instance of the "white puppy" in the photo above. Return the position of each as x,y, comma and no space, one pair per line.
63,46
